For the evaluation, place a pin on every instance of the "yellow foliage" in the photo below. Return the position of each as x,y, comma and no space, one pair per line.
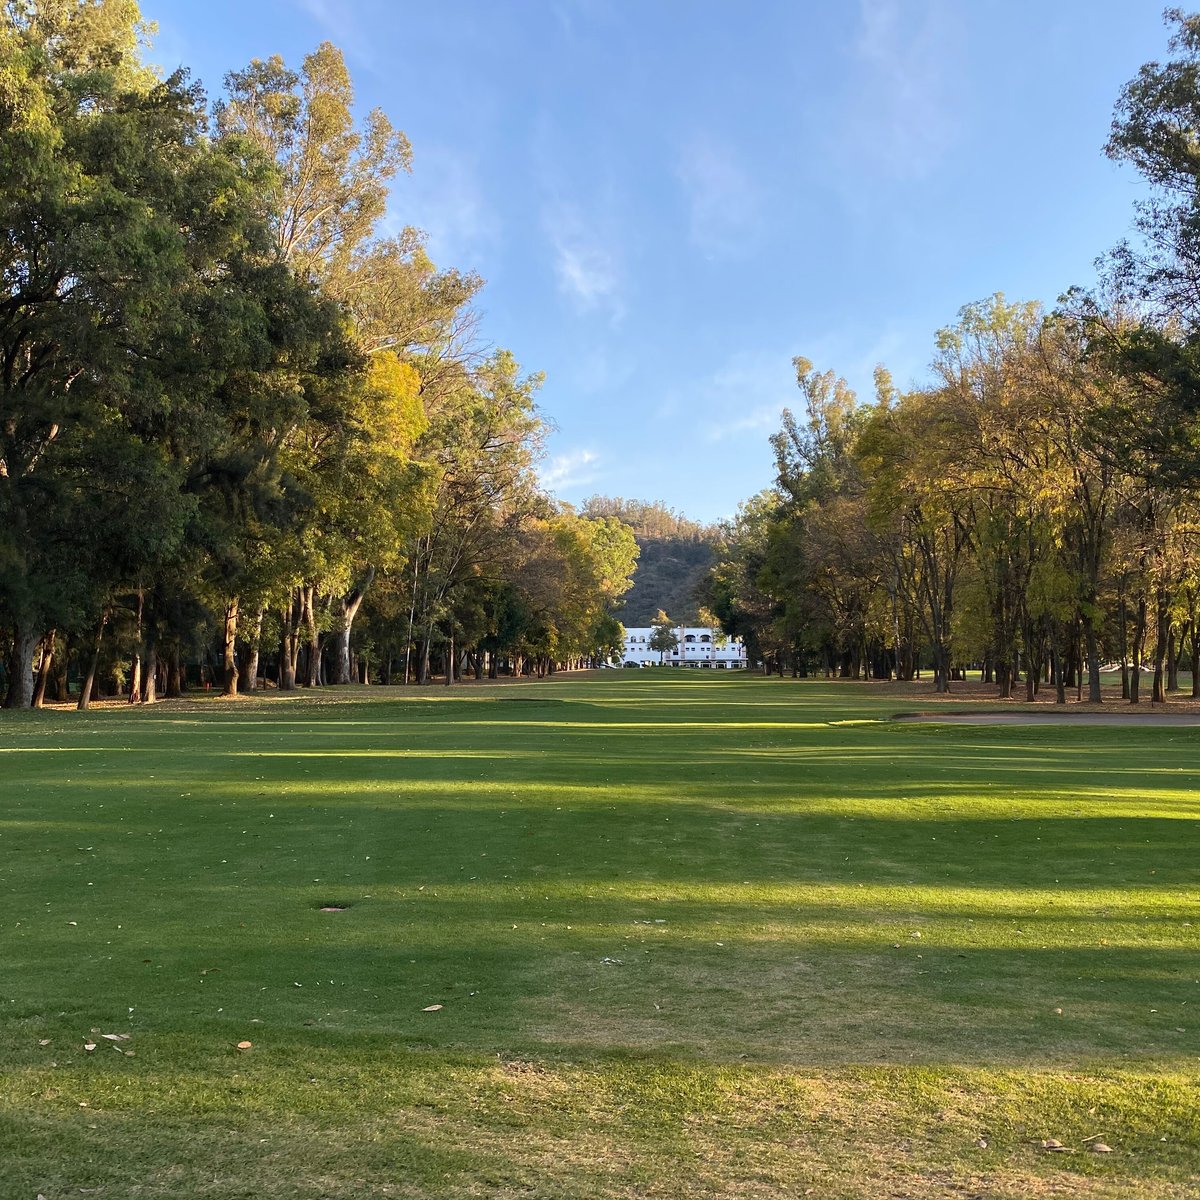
394,416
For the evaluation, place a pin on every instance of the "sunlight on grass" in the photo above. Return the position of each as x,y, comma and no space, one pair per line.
718,953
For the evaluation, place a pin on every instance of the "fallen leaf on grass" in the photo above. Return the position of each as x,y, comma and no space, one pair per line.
244,1045
1100,1148
116,1037
433,1008
44,1042
1053,1144
89,1046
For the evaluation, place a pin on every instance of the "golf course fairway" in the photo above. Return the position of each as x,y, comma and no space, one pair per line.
619,934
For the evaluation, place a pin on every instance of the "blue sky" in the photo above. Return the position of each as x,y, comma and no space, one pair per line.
670,199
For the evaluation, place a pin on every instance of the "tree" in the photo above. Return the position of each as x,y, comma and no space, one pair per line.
664,639
331,184
134,286
329,193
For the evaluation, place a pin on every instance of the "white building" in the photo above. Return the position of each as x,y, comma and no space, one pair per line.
698,646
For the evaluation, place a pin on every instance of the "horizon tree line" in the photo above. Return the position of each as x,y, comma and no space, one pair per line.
1033,509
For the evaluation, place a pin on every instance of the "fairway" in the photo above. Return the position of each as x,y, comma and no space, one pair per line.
690,935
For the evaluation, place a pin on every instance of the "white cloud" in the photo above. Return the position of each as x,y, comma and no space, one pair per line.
909,56
445,198
339,18
762,419
725,217
572,469
739,397
584,262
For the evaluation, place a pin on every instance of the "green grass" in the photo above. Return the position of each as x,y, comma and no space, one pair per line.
757,856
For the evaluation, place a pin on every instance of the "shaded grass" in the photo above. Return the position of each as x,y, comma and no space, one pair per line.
757,858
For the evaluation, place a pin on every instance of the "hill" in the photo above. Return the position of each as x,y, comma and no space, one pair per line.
676,554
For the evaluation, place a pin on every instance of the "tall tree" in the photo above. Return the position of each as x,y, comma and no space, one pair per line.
133,251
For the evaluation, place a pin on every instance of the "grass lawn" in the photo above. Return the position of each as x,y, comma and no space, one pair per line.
690,935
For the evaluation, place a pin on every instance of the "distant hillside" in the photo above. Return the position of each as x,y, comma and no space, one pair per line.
676,554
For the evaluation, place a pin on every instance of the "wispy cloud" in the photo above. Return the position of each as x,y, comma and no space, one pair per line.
585,263
572,469
897,344
725,208
739,397
763,419
574,16
904,113
444,197
340,18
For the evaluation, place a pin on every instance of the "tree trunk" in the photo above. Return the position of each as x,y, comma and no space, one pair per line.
1093,658
1162,637
1060,679
1031,664
62,687
174,674
44,667
150,668
1195,648
450,661
1174,654
423,657
308,600
229,649
89,680
350,604
253,648
1004,679
135,667
20,667
289,648
1139,636
1123,625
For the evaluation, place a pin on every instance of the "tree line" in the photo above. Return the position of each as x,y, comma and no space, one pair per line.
246,434
1033,509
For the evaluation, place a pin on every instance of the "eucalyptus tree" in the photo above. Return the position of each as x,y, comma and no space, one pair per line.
823,547
909,452
483,443
328,197
568,571
739,590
